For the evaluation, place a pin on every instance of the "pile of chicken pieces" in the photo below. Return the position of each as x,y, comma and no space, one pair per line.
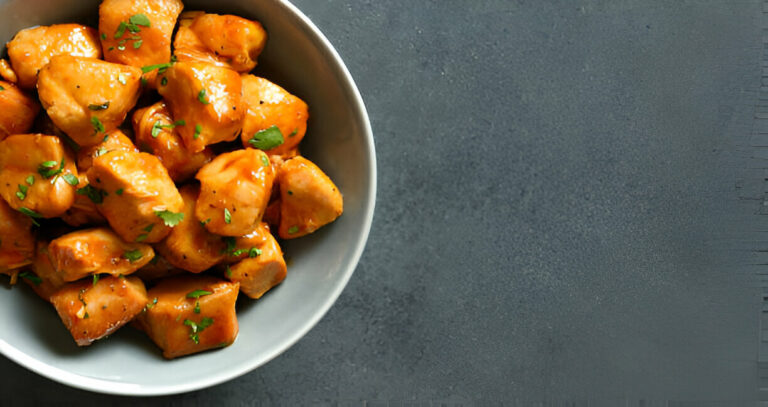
187,204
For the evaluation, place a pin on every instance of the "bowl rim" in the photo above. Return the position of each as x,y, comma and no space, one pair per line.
130,389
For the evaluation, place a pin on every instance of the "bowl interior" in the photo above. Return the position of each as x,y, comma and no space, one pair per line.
338,139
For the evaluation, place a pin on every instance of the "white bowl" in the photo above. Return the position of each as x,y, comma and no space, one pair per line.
339,140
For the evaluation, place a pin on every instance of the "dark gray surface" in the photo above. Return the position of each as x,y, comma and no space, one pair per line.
569,209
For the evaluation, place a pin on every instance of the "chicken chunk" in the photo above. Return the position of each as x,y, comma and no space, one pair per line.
86,97
83,211
138,32
43,279
97,251
32,48
207,98
17,110
276,120
92,310
223,40
262,270
37,175
113,140
17,245
191,314
309,199
136,195
246,246
190,246
156,134
156,269
234,191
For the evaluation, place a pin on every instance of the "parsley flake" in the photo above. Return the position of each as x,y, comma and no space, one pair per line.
160,67
137,44
95,279
169,218
96,195
97,125
202,97
198,130
196,328
22,192
71,179
48,169
102,106
265,160
293,229
267,139
133,255
140,19
34,279
30,180
32,214
227,216
119,192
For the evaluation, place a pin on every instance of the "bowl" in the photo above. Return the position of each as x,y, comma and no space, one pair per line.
299,58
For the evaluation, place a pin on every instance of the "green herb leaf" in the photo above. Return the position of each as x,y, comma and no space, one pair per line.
2,88
197,307
164,81
71,179
265,160
254,252
201,96
34,279
140,19
99,152
94,194
120,29
267,139
102,106
137,44
294,132
95,279
160,67
230,243
133,255
169,218
30,180
198,293
48,169
97,125
22,192
119,192
103,36
32,214
196,328
198,130
227,216
228,271
293,229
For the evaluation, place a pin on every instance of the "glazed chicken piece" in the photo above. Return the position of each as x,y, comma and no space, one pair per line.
97,251
223,40
207,98
246,246
112,141
37,175
156,134
309,199
43,279
136,195
17,245
92,310
234,191
138,32
86,97
7,73
17,110
276,120
190,246
262,269
190,314
83,211
32,48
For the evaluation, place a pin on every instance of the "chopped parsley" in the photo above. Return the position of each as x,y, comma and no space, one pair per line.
205,222
142,237
137,44
34,279
164,81
294,132
99,152
198,130
228,271
2,88
227,216
196,328
71,179
97,125
32,214
96,195
158,126
293,229
133,255
22,192
160,67
30,180
48,168
102,106
152,304
267,139
119,192
196,295
254,252
201,96
95,279
169,218
140,19
230,243
265,160
103,36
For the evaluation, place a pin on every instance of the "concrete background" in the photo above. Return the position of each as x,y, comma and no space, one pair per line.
570,212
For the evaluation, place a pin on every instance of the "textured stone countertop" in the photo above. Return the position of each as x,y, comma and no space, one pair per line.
570,212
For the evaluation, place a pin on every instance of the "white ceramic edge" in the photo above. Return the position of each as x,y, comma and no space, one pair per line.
125,389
